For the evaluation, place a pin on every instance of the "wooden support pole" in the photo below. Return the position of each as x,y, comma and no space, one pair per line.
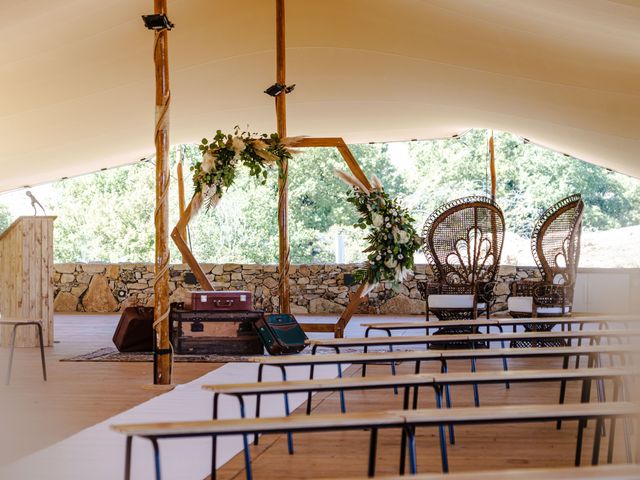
492,167
181,200
163,354
283,177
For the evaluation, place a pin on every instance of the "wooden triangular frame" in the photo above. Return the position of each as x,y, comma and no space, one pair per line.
196,203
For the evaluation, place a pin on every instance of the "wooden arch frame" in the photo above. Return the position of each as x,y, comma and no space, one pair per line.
195,204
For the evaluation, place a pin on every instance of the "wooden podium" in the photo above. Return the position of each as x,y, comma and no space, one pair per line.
26,279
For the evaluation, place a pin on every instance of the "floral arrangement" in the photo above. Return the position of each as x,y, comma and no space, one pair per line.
216,171
392,238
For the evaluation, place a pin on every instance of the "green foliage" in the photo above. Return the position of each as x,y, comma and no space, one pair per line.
108,216
392,241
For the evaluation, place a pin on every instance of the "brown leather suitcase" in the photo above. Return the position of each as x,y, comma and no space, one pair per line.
134,332
231,300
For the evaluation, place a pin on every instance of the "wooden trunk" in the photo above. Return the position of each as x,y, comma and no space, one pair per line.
26,278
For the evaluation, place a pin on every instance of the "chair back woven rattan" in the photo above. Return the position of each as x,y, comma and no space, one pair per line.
462,241
555,241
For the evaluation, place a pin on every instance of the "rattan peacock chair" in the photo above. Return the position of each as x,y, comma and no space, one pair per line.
555,244
462,241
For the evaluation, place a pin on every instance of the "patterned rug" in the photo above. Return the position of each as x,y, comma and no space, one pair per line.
111,354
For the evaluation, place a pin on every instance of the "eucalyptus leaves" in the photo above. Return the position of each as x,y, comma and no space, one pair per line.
216,171
392,238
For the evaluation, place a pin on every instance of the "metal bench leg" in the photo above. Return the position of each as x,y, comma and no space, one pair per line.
13,348
44,365
258,397
393,363
343,403
287,410
411,438
365,350
127,459
403,440
563,387
310,394
373,445
595,456
582,423
444,368
443,439
505,364
214,438
416,388
156,457
476,395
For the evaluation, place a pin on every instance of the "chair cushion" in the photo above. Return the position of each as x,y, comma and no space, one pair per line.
453,301
525,305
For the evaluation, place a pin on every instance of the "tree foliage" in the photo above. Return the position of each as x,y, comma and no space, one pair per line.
108,216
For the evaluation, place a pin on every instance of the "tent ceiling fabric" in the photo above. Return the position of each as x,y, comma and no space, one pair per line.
77,75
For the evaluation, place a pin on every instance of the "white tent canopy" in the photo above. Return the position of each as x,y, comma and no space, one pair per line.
77,75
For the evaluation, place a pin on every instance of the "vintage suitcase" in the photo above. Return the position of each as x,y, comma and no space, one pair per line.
215,332
281,334
221,300
134,332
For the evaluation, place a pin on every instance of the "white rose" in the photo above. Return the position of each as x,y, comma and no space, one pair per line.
376,219
403,237
208,161
391,263
237,144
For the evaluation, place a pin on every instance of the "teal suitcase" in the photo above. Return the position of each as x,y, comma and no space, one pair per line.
281,334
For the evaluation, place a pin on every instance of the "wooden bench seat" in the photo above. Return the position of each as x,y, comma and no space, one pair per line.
496,322
408,420
605,472
337,343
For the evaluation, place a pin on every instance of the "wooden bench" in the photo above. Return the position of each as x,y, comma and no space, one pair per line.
499,323
366,342
24,323
438,382
407,420
605,472
593,353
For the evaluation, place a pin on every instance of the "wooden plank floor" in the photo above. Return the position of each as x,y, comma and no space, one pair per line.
78,395
35,414
328,455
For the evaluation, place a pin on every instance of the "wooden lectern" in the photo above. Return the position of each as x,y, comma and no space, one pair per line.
26,279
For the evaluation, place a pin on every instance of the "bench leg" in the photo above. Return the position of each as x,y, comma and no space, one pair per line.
411,440
595,456
214,453
127,459
582,423
343,403
373,445
416,388
156,457
444,368
310,394
287,411
612,425
44,365
476,395
563,387
403,439
365,350
441,434
393,364
13,348
505,364
258,397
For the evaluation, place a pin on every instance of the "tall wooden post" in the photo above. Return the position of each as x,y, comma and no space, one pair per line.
181,199
163,353
492,166
283,178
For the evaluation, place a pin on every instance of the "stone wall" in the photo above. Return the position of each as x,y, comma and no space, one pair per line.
93,287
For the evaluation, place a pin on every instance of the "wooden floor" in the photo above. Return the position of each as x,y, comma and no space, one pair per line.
81,394
35,414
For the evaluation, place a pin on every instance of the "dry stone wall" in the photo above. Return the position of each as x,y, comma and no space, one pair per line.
103,288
